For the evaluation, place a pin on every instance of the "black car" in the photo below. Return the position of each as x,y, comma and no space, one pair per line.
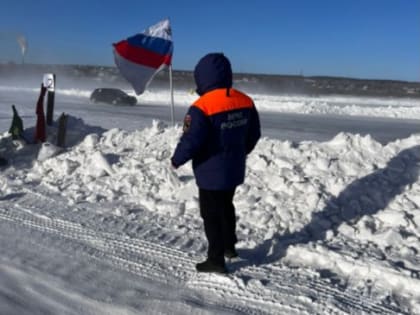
112,96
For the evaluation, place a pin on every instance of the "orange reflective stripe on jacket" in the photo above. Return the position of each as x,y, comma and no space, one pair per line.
216,101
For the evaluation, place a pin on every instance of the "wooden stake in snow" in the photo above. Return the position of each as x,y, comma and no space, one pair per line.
62,128
49,83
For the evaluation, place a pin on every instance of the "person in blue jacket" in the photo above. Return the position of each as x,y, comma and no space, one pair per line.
220,129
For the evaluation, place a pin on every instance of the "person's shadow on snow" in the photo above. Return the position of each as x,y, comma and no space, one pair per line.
365,196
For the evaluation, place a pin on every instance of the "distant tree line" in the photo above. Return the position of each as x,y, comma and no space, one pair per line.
252,83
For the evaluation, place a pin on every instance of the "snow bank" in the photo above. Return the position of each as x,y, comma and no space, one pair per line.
349,205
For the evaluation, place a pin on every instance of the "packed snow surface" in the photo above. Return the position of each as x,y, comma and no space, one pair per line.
106,226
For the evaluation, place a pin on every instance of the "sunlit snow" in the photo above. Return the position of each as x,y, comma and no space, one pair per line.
106,226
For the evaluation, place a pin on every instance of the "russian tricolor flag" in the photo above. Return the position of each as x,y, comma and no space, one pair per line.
140,57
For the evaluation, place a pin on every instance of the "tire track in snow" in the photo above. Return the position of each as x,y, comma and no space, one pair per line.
298,282
113,251
277,290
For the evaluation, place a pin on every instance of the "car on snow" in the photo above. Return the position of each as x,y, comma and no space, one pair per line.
112,96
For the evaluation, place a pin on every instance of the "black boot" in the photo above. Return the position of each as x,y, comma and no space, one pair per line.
209,266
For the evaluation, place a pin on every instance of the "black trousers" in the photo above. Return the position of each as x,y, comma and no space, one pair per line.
218,213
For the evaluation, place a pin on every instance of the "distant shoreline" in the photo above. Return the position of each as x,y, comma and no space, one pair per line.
250,82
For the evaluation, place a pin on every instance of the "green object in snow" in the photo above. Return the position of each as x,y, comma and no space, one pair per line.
16,129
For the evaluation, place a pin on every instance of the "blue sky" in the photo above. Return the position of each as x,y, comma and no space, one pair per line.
377,39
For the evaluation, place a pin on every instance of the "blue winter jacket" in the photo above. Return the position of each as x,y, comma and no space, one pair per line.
220,128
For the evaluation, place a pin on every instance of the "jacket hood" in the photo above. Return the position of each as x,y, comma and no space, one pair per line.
213,71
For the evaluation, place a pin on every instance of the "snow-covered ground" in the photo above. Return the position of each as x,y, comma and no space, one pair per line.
105,226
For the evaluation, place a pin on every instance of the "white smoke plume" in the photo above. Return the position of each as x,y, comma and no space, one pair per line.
10,38
23,43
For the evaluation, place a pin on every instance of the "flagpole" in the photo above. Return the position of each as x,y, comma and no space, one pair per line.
171,87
